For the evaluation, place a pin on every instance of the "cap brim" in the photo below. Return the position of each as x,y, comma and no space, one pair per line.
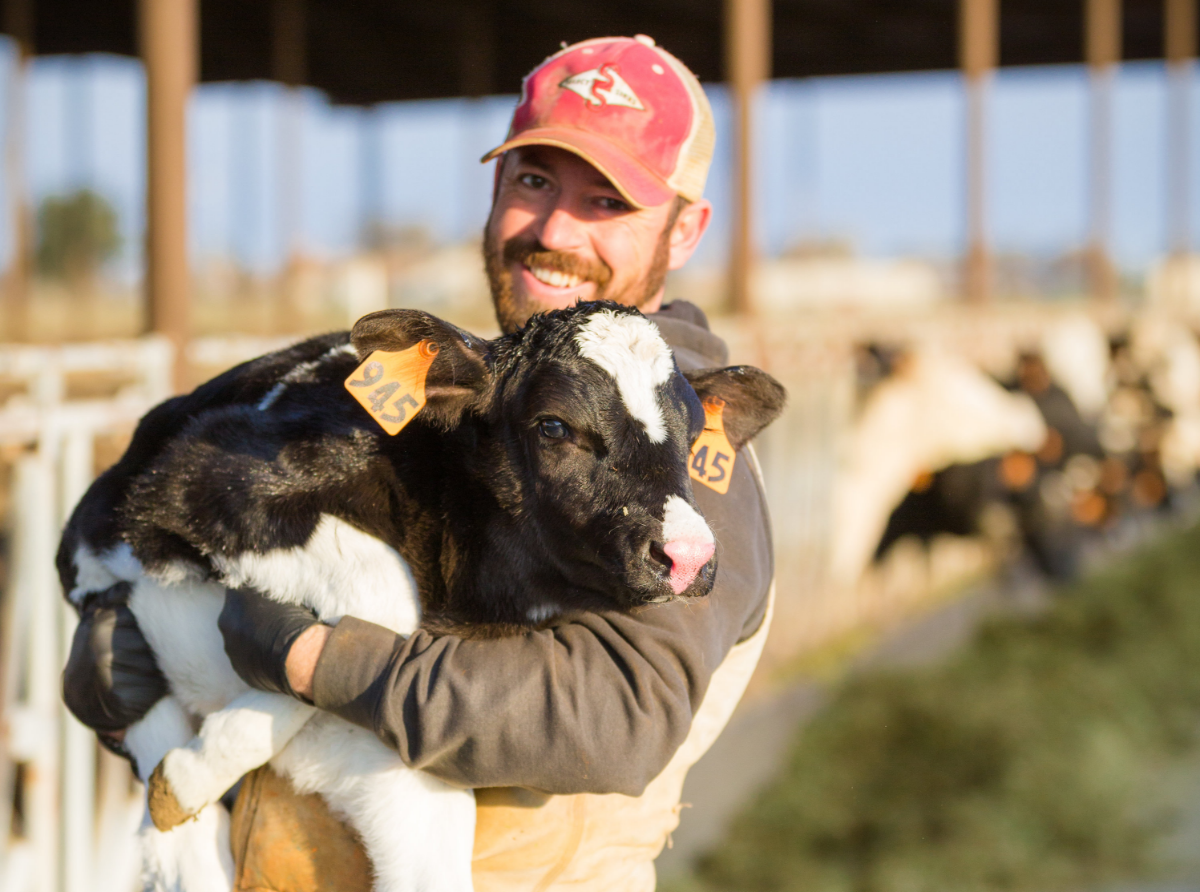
637,185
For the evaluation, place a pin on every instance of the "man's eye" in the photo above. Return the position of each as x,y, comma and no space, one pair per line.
532,180
614,204
553,429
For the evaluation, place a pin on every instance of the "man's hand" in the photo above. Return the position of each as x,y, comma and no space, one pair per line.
261,633
112,678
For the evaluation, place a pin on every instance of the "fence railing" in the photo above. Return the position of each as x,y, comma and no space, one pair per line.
68,809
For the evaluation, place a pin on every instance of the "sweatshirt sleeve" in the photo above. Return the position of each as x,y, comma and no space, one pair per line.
596,704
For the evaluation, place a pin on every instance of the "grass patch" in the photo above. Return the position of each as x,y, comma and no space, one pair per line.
1031,760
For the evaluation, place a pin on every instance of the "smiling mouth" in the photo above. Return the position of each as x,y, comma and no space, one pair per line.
554,278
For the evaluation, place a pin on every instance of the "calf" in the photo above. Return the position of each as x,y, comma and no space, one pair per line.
539,473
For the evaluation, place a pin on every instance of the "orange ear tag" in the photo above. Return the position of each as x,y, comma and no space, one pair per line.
391,386
711,461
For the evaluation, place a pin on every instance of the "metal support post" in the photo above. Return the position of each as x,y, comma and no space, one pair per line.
289,63
1102,37
18,23
1180,40
169,48
748,65
979,50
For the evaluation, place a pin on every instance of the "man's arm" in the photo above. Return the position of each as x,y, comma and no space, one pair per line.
598,703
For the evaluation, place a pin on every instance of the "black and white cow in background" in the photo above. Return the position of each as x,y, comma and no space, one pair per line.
553,460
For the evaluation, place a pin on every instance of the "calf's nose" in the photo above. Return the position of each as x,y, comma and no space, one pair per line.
689,542
688,556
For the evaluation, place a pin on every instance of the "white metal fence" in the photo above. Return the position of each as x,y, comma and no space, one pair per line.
68,810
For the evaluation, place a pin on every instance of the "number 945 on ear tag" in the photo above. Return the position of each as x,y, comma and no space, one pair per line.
711,461
391,386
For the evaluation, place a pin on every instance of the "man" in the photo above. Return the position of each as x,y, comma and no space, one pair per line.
576,737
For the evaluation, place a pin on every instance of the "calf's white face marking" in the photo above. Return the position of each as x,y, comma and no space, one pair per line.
682,521
631,350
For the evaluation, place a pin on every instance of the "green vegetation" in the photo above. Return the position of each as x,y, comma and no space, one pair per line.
1044,756
77,234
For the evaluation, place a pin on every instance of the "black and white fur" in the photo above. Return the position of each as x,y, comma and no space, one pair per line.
480,517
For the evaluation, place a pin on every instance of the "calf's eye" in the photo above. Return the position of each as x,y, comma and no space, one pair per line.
553,428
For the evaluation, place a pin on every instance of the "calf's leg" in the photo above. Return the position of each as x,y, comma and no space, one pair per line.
194,857
417,831
232,742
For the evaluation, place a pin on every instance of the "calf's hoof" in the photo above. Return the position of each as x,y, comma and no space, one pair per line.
165,810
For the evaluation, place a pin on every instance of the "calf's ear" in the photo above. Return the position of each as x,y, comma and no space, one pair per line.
753,399
459,377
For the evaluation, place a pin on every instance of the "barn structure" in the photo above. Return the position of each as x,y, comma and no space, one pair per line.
67,814
371,51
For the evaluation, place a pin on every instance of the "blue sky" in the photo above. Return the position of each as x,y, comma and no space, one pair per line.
874,160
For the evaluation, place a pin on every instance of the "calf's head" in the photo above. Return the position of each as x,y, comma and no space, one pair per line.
581,424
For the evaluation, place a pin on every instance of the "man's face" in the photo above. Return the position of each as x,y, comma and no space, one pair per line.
560,233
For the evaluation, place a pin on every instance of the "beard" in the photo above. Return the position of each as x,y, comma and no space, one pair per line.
528,251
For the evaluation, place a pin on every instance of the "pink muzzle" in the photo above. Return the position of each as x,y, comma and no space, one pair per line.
688,556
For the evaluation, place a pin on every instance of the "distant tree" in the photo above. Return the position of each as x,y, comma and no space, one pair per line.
77,234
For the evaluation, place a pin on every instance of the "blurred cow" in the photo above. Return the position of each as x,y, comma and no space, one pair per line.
1075,350
1164,364
1122,433
924,411
1089,431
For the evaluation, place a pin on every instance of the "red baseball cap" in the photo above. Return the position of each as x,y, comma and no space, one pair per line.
627,107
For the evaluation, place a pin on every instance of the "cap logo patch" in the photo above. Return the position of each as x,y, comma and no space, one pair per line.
603,86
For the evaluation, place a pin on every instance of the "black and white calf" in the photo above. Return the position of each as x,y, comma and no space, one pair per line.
546,473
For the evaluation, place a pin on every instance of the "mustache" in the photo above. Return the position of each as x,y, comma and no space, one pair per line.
530,252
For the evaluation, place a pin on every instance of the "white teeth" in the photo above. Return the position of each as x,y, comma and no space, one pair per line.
555,278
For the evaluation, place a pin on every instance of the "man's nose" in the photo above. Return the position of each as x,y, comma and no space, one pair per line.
562,231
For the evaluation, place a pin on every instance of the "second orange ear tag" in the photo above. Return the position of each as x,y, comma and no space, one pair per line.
391,386
711,461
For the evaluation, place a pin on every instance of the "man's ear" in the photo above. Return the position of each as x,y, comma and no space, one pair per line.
459,377
685,236
753,399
